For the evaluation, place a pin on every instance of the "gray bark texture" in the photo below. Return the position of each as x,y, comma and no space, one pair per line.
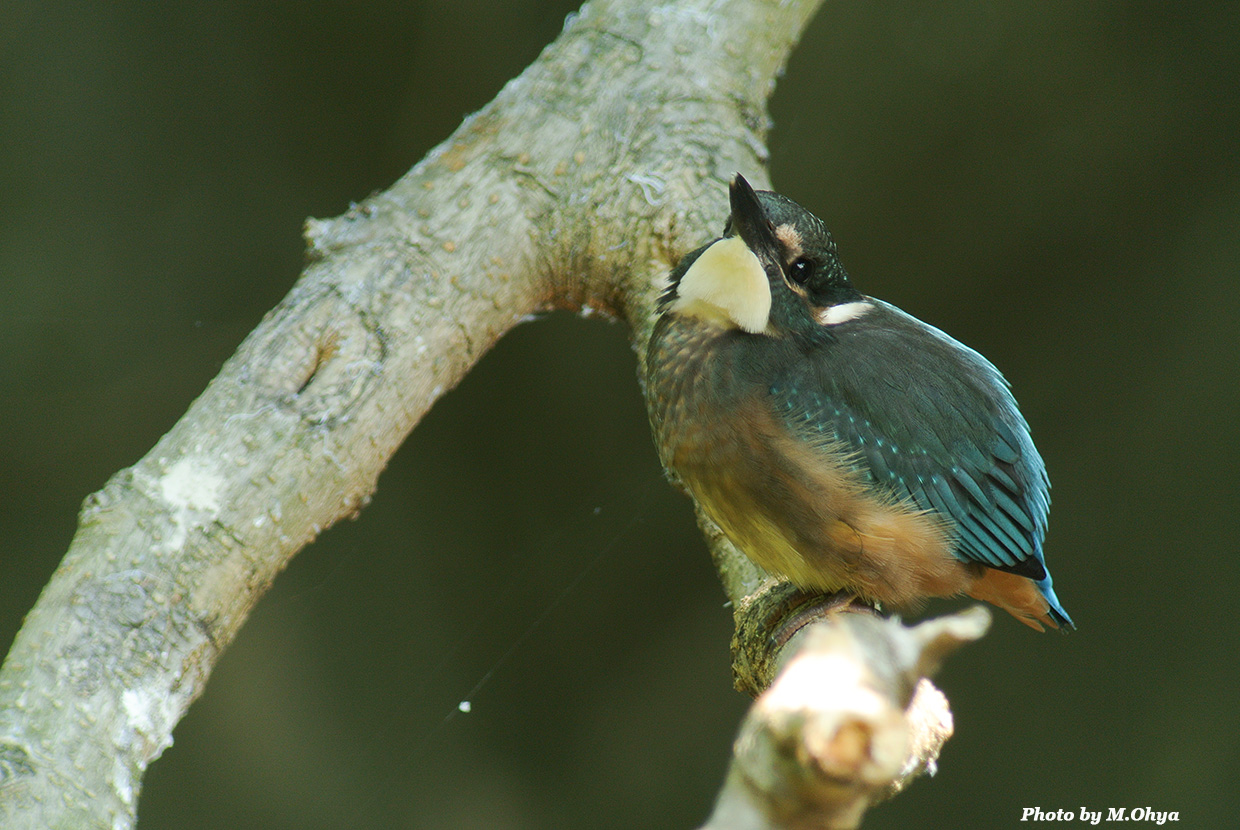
577,187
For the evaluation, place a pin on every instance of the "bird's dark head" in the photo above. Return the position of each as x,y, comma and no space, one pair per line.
775,271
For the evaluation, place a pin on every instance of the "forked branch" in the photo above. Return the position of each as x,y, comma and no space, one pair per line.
578,186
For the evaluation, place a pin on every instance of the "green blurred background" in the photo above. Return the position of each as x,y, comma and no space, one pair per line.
1057,184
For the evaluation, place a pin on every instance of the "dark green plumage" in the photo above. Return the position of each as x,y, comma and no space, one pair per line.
938,426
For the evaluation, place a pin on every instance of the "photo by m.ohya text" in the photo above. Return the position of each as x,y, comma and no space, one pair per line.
1088,816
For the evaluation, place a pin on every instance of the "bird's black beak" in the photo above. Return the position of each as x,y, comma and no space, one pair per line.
749,222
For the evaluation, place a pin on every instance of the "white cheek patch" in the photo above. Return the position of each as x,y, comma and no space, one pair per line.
833,315
727,284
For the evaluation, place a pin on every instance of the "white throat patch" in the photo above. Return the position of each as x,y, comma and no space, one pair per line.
727,285
833,315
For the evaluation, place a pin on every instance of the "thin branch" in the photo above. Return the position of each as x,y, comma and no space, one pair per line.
849,720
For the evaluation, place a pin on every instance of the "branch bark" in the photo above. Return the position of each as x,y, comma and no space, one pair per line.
849,720
578,186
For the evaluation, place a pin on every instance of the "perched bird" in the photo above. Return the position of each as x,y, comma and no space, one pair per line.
836,440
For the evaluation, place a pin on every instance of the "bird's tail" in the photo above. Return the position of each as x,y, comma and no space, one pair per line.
1033,603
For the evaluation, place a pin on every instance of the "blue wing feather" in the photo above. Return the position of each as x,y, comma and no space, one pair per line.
942,430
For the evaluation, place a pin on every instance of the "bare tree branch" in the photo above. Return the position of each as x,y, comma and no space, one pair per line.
849,720
578,186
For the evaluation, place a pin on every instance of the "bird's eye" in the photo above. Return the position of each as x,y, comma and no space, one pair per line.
801,270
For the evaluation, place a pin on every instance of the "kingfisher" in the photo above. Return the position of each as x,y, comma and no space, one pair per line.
836,440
